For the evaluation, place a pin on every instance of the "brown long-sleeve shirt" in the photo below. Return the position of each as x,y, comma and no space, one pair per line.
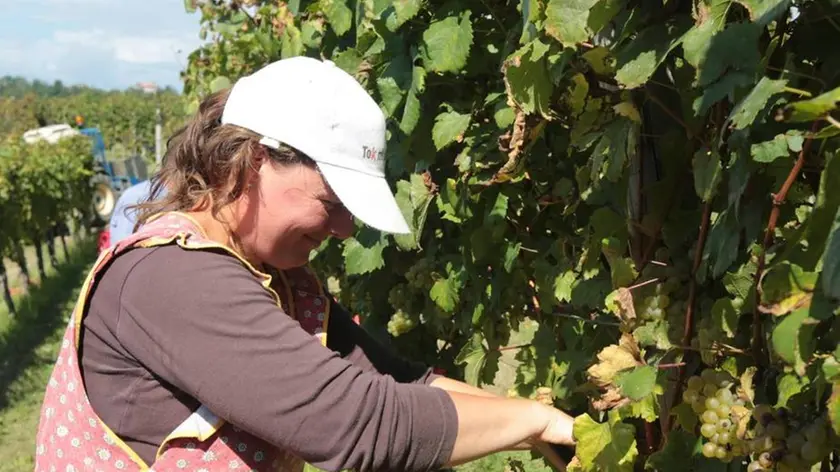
168,329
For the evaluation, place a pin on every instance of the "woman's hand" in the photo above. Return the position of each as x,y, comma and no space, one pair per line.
556,425
559,426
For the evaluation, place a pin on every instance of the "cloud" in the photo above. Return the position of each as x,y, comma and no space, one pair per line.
103,43
160,49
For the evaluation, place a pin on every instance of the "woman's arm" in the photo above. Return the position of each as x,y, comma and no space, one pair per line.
512,422
356,345
452,385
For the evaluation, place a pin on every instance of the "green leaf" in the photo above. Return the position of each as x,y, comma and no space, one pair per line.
413,107
831,369
744,114
812,109
190,6
339,15
413,198
566,20
653,334
707,173
769,151
611,153
449,127
311,33
677,453
740,283
219,83
400,12
446,43
511,254
450,203
446,292
637,61
722,246
362,258
792,339
726,315
833,407
831,261
786,287
645,409
713,52
529,84
291,44
789,385
725,87
608,447
391,93
474,356
765,11
637,383
349,61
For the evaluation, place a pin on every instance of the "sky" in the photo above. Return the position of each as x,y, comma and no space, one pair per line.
109,44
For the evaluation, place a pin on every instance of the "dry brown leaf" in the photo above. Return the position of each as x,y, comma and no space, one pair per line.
610,399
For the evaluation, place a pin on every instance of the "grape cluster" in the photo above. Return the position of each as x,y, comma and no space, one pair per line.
419,275
773,440
400,323
711,397
653,308
785,444
398,297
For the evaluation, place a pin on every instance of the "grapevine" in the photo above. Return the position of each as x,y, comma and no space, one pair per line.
632,206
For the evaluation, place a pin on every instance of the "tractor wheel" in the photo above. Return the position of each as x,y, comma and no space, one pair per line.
104,199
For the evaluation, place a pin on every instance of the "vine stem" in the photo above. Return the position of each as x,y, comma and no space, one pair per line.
833,121
689,309
513,348
642,284
804,93
778,200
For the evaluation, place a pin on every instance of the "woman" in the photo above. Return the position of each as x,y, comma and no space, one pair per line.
203,342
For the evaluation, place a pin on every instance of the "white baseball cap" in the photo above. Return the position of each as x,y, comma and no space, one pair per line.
322,111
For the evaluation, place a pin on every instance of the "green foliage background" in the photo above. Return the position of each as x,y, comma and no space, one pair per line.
583,172
126,118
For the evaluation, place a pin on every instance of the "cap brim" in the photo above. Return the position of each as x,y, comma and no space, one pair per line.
367,197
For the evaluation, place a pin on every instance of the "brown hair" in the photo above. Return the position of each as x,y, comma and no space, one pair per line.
206,163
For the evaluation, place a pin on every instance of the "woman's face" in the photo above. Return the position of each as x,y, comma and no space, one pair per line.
289,211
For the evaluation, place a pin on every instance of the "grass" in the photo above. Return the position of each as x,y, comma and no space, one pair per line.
28,346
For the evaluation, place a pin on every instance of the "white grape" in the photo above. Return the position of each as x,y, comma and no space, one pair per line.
708,430
712,403
709,416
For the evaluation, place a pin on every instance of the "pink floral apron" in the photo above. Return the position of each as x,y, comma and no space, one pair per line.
71,437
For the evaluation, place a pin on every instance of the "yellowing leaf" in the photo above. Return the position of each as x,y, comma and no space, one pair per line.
608,447
613,359
628,110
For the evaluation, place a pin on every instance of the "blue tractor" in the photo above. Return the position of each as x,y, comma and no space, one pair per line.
111,177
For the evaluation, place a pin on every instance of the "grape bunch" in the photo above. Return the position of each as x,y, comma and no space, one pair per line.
711,397
419,275
653,308
400,323
786,444
398,297
772,439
